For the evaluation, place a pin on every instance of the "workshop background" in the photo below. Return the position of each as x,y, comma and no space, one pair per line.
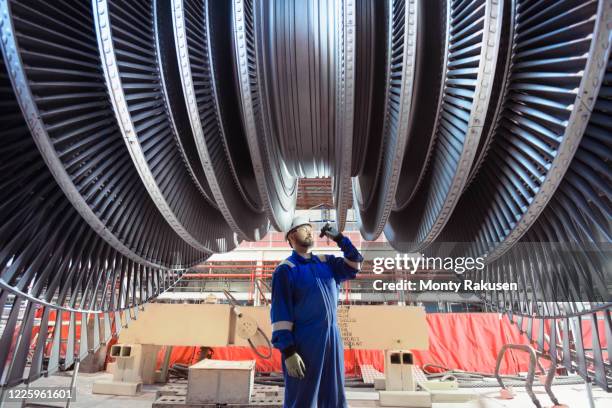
154,152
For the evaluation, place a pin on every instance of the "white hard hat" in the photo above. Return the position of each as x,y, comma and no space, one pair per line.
297,222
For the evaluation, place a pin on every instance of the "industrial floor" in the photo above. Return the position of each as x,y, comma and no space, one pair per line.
574,396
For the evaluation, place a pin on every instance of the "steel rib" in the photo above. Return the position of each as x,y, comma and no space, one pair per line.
461,121
399,86
45,145
133,88
277,188
206,123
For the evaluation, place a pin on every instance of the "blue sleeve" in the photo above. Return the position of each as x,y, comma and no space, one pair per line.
282,311
342,270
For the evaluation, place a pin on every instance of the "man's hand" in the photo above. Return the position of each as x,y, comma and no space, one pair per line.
331,233
295,366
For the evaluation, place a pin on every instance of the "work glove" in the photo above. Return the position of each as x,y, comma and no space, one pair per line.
295,366
331,233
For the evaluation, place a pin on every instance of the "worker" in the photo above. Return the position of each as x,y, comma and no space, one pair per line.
305,290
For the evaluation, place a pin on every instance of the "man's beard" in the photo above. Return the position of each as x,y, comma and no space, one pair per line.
306,242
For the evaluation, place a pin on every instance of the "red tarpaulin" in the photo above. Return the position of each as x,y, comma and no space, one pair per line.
465,341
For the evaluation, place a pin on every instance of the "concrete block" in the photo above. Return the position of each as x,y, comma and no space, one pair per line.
398,371
454,396
116,388
413,399
134,362
221,382
93,362
111,367
439,385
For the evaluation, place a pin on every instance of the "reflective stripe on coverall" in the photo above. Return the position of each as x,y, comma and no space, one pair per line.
304,303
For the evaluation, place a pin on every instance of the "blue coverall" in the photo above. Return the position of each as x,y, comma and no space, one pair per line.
304,303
